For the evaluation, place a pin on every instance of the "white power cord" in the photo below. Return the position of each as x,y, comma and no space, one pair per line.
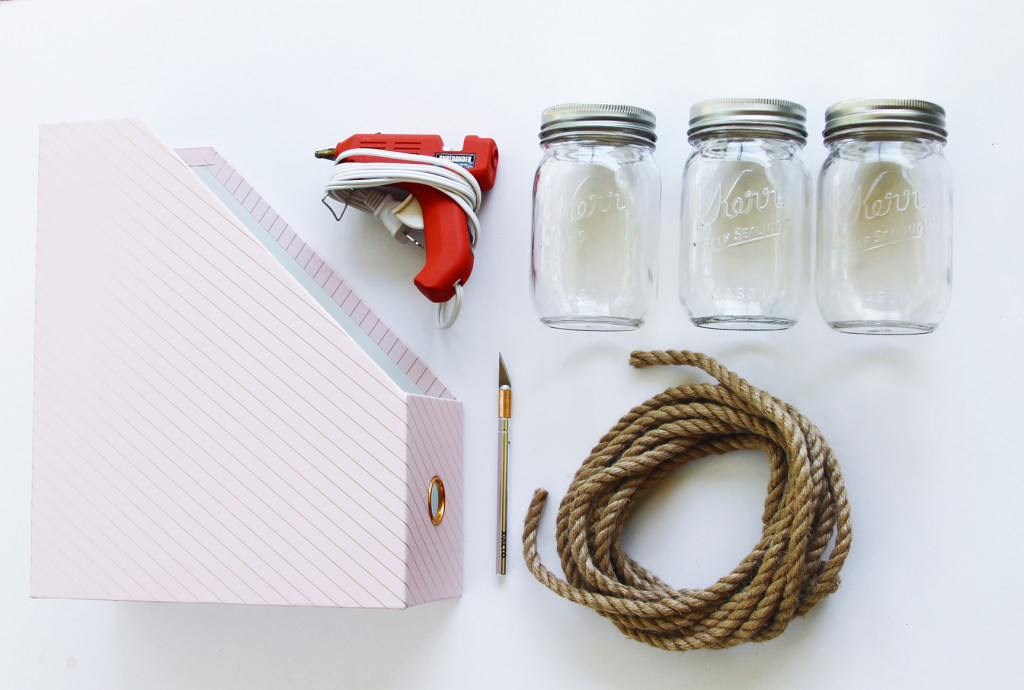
438,173
350,184
403,219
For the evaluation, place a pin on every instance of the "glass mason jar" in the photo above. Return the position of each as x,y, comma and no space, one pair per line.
885,217
745,255
596,214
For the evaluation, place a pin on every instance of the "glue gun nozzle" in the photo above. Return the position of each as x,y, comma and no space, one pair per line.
328,154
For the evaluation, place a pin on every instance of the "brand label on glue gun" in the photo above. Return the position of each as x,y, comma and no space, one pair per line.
466,160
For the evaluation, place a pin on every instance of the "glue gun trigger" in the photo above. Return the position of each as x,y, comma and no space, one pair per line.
447,244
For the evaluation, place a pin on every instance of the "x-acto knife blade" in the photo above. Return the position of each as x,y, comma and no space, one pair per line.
503,381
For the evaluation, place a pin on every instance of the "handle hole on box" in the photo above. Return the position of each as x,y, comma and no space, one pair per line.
435,500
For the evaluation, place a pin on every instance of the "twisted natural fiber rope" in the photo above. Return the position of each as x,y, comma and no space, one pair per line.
787,572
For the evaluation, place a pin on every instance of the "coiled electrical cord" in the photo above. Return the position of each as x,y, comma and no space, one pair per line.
350,183
788,571
438,173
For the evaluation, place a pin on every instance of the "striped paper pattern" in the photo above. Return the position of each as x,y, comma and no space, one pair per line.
203,430
335,286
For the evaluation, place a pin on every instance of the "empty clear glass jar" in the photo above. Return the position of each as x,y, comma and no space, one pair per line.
885,217
745,245
596,208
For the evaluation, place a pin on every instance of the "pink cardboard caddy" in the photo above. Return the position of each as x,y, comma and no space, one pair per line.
217,417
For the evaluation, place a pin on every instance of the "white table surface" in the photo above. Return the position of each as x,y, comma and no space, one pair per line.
925,427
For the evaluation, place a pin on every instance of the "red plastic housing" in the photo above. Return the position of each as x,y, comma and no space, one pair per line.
484,152
449,252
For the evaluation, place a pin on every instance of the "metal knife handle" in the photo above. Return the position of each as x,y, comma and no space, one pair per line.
503,497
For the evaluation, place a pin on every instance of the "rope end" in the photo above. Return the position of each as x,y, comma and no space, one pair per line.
638,359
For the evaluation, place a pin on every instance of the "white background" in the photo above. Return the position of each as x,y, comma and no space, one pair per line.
926,427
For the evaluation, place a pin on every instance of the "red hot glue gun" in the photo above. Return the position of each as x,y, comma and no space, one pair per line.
441,199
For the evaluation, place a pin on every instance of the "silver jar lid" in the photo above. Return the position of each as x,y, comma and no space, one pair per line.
599,119
753,115
885,115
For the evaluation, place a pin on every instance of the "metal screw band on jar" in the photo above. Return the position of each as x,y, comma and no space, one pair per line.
758,116
598,119
885,115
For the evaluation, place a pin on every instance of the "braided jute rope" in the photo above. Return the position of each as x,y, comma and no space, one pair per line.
788,572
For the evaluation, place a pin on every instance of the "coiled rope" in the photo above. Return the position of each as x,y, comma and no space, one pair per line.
786,574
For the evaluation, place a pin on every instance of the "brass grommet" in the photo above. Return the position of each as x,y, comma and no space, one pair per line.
435,500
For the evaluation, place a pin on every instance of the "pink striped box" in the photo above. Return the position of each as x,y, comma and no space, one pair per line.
218,417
